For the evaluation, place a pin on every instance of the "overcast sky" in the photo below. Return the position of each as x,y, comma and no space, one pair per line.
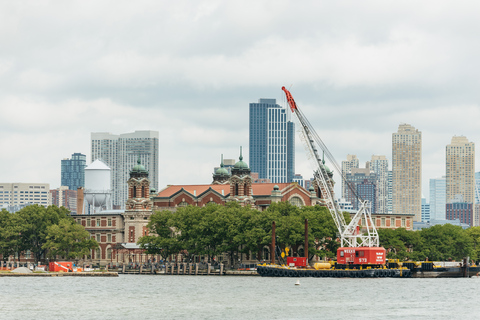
189,69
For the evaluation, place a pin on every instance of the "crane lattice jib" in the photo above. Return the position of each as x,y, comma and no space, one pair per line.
349,234
321,177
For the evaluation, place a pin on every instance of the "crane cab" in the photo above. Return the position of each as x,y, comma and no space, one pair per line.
361,256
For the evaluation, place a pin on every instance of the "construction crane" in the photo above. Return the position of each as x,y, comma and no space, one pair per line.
357,248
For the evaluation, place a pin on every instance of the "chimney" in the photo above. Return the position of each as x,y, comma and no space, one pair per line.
80,200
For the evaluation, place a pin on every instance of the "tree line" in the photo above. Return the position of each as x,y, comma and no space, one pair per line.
437,243
214,229
43,232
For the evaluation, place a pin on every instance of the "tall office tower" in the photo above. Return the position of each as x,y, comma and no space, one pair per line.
121,152
425,210
389,191
460,169
477,187
407,171
438,198
271,141
363,182
73,171
350,163
379,165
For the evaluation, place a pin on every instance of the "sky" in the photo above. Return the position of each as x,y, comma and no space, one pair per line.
189,69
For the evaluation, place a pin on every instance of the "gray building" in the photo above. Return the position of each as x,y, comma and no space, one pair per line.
362,182
379,165
438,198
121,152
425,210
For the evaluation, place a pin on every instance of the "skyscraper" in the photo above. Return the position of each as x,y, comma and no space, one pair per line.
271,141
460,169
477,187
379,165
73,171
438,198
425,210
121,152
347,165
363,183
407,171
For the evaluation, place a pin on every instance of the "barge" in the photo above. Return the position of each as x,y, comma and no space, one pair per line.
409,269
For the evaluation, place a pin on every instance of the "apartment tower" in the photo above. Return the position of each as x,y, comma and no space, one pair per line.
120,153
407,171
379,165
347,165
460,170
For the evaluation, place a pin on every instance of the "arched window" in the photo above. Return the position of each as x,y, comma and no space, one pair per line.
109,253
134,192
245,189
143,191
296,201
98,254
183,204
236,189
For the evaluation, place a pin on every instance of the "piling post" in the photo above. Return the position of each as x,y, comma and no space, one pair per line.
196,269
208,269
306,242
272,250
123,268
221,268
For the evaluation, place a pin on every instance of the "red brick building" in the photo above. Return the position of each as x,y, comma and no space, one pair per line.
235,187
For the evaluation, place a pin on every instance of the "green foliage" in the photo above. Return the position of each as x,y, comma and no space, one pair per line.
68,240
439,243
40,230
215,229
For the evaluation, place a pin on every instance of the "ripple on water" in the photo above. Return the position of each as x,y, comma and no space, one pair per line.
214,297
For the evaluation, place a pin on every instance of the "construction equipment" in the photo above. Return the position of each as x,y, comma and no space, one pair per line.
358,247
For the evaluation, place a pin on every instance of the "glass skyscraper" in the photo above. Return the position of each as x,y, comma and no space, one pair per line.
271,142
73,171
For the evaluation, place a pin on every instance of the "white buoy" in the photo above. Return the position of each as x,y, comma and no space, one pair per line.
297,283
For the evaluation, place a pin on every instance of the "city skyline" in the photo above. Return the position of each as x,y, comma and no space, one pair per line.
88,70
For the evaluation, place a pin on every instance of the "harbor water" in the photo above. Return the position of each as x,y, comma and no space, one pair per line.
237,297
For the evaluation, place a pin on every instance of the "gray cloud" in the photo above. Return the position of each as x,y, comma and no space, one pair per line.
189,69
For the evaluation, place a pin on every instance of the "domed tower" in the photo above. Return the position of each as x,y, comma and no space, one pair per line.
221,175
138,207
241,182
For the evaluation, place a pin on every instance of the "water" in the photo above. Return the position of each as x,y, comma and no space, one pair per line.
230,297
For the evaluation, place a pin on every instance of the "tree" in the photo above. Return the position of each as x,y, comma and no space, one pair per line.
445,242
11,230
161,239
34,221
474,234
68,240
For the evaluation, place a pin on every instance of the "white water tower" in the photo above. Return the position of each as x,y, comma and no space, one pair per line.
98,195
